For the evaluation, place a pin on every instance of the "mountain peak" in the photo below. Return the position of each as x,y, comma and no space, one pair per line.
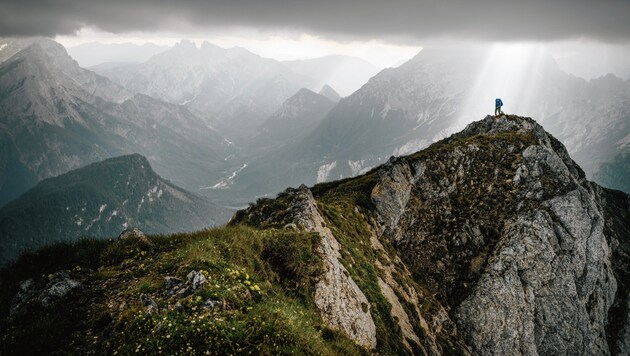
11,46
207,47
128,165
135,159
450,250
305,92
297,116
49,52
503,123
517,128
305,100
330,93
482,221
185,45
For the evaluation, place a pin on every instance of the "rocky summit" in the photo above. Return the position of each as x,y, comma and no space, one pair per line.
491,241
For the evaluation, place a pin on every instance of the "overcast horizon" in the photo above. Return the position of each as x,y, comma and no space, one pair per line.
584,59
594,34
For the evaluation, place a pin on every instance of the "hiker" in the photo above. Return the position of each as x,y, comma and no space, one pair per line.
497,107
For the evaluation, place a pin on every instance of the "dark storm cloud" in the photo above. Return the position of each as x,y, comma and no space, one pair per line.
607,20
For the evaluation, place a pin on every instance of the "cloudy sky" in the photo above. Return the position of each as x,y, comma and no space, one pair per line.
361,27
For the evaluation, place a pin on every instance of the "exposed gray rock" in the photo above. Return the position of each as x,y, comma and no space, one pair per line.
25,293
133,233
548,290
290,226
342,304
55,287
211,303
149,303
399,314
392,195
178,306
547,282
171,282
59,285
194,280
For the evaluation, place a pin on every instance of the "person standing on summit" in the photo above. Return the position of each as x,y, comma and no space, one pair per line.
498,103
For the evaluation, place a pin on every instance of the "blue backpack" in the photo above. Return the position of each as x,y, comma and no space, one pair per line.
498,102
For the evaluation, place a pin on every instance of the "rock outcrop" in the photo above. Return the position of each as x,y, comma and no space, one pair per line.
133,233
58,285
342,305
496,228
510,233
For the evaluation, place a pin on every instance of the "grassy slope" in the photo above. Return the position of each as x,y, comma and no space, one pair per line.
263,280
283,264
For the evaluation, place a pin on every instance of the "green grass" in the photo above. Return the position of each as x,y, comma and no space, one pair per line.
485,141
263,276
352,231
271,213
263,279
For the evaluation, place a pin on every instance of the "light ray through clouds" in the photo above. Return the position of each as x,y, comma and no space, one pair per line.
510,72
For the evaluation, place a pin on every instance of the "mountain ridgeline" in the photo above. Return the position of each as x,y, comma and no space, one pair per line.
236,87
490,241
99,201
56,116
436,93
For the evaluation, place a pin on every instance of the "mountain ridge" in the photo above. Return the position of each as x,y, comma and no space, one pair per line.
404,109
95,53
345,73
489,241
100,200
459,240
235,86
57,116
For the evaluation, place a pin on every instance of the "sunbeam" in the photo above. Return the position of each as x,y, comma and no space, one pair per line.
510,72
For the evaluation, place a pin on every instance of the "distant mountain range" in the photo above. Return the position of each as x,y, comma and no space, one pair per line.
616,172
266,152
403,109
233,86
100,200
343,73
232,125
95,53
56,116
398,111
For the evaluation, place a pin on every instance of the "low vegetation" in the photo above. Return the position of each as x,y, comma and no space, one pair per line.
256,298
248,288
